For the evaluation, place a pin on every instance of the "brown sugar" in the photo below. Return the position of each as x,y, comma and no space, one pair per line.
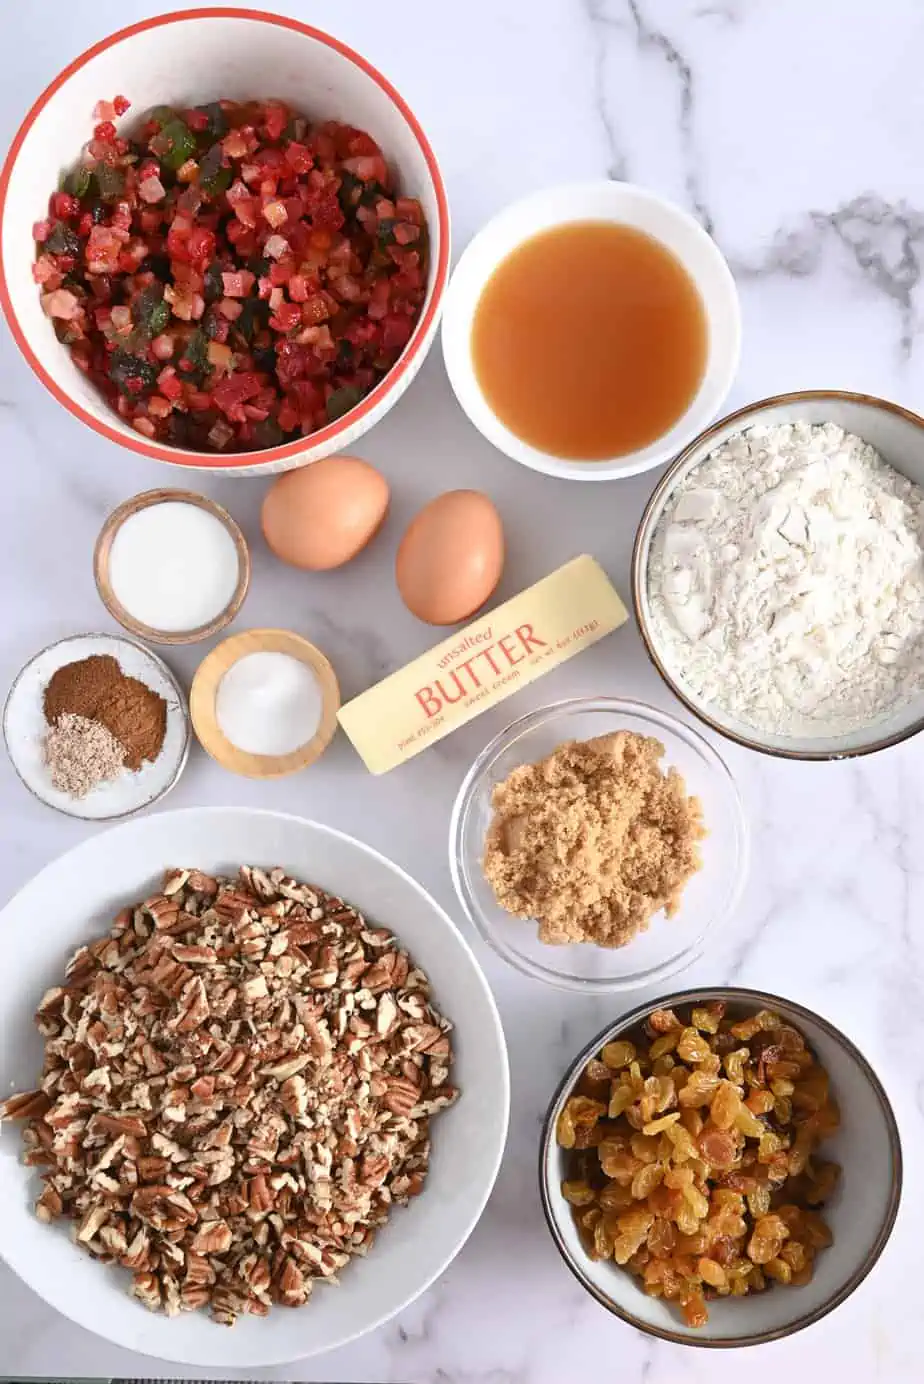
593,840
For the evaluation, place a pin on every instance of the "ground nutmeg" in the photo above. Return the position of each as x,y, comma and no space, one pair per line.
97,689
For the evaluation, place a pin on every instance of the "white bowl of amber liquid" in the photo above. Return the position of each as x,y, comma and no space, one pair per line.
591,330
859,1215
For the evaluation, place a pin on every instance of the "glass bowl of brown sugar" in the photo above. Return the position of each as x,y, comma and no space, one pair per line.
596,843
96,726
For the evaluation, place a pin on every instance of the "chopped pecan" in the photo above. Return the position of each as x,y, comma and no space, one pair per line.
236,1090
29,1105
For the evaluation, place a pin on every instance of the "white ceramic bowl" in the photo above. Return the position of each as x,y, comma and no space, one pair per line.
670,944
193,57
861,1214
597,201
76,898
898,437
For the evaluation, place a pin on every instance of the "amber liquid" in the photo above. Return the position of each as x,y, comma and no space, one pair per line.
589,341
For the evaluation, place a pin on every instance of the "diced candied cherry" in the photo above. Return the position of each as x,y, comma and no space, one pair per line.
275,119
237,285
163,346
369,168
286,317
62,205
235,145
275,213
299,157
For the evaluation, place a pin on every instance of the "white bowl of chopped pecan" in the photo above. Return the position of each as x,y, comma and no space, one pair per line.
241,1072
720,1168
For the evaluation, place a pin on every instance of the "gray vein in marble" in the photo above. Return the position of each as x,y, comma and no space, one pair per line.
655,40
884,239
368,648
649,39
499,1376
744,951
726,13
618,168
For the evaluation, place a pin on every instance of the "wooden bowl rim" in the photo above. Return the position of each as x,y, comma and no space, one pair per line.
204,688
101,552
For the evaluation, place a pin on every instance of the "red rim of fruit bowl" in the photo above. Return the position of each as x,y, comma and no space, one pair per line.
235,460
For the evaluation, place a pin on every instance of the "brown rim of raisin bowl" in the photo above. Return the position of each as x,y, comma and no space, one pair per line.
848,1277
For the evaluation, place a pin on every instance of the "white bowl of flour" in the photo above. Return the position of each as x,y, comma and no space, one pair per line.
778,575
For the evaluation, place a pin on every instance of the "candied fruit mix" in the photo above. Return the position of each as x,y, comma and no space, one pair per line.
231,277
692,1156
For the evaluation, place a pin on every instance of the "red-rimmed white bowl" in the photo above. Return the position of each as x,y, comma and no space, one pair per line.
191,57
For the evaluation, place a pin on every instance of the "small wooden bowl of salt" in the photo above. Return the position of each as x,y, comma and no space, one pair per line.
264,703
171,566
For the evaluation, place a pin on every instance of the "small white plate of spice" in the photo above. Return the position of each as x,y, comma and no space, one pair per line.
96,726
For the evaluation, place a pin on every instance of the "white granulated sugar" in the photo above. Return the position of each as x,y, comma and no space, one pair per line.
174,566
787,581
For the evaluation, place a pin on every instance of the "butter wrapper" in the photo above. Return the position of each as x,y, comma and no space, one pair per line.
498,653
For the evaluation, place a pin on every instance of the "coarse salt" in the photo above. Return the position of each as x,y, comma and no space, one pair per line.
173,566
269,704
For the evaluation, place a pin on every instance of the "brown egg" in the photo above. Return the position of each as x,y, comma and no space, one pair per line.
324,514
451,557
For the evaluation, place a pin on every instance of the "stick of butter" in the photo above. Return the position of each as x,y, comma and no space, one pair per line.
477,668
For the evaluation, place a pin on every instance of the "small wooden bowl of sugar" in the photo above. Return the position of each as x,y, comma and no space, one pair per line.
171,566
264,703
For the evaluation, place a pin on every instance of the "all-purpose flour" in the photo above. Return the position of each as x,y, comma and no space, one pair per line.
787,581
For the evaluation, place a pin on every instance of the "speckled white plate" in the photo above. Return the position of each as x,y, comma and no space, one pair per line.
24,728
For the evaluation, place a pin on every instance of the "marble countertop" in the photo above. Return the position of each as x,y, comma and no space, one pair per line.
793,131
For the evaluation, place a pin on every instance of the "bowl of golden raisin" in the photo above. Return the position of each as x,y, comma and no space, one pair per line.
721,1168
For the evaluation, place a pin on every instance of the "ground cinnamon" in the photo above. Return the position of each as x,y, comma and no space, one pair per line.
96,688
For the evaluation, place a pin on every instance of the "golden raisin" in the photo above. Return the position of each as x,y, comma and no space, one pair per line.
662,1238
693,1307
711,1272
663,1020
823,1179
603,1240
692,1046
662,1123
759,1200
718,1147
725,1105
618,1055
708,1017
708,1122
578,1193
564,1129
698,1091
646,1180
621,1097
616,1197
779,1270
760,1101
665,1045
